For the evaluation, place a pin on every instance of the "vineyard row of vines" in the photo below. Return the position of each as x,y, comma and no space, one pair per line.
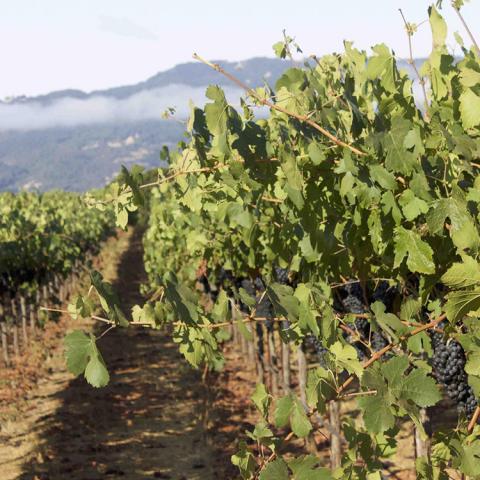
345,224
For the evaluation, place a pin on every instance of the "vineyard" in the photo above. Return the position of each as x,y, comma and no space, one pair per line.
45,239
330,247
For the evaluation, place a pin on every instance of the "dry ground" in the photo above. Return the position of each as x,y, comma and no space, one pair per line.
145,424
156,419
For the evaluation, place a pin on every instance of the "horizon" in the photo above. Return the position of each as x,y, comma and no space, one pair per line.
93,46
299,60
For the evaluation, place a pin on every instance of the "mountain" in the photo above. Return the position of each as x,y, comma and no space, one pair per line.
76,140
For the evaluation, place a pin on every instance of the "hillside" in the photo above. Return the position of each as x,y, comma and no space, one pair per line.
75,140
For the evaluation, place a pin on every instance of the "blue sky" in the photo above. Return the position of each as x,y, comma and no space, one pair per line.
48,45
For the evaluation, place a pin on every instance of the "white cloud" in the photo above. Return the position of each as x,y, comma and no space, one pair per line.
125,27
70,112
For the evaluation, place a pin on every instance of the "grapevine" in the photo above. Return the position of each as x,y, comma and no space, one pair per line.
346,222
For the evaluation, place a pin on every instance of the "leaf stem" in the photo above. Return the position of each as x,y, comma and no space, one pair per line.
411,61
469,32
377,355
474,419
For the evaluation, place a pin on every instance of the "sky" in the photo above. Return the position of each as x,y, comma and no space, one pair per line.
48,45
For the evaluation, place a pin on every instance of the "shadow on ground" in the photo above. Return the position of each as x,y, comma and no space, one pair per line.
145,424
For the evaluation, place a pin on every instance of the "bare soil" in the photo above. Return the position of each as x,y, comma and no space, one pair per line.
146,424
158,418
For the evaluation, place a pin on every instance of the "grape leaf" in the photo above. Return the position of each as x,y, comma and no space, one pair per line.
276,470
419,253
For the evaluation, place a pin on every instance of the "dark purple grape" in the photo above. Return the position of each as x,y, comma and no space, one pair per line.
448,364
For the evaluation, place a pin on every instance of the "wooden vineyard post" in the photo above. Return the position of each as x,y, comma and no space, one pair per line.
251,346
14,311
23,314
422,447
234,325
44,294
272,358
31,309
55,284
243,344
302,385
37,304
3,331
51,290
234,335
260,353
335,439
69,285
61,292
286,376
302,374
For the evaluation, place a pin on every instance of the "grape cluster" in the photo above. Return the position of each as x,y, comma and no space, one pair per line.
264,305
449,368
281,276
205,284
352,298
223,281
313,343
249,288
353,301
384,293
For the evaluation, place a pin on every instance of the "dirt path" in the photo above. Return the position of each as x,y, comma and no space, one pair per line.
145,424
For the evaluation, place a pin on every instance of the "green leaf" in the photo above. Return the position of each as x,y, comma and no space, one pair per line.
261,399
382,67
389,322
133,179
474,382
109,299
467,457
461,303
299,421
261,431
439,28
81,307
377,413
470,108
320,388
472,366
383,177
96,372
316,154
216,112
450,208
412,206
221,311
244,331
78,351
465,274
279,49
245,461
346,356
284,302
469,77
393,371
276,470
122,218
420,389
83,357
305,468
419,253
283,410
246,298
398,158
